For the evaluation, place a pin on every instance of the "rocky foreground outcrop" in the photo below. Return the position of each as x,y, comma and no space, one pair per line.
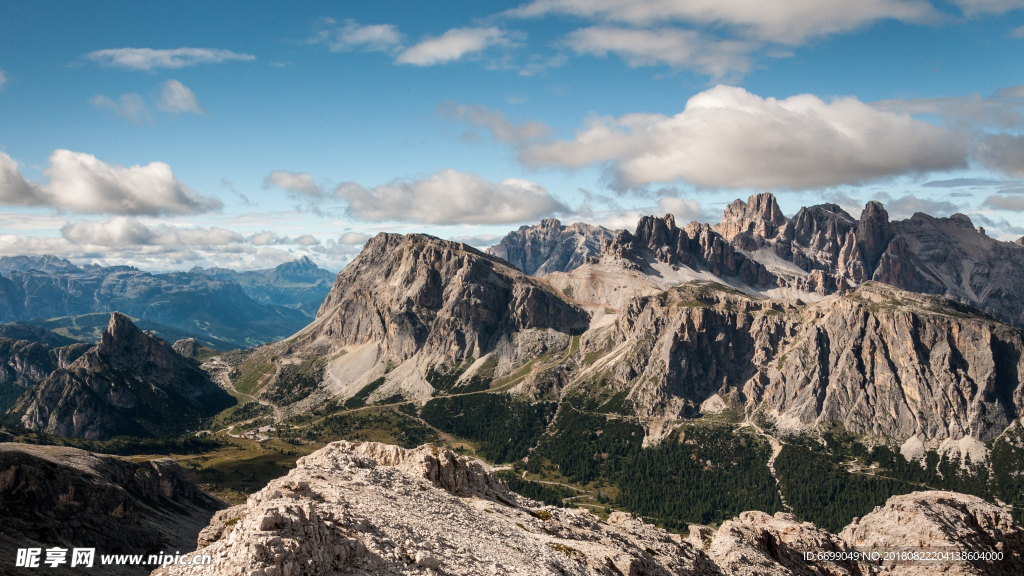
371,509
131,383
65,497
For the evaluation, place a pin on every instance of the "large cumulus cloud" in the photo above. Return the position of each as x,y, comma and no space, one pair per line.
78,182
727,137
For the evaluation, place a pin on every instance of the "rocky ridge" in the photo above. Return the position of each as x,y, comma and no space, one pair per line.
58,496
366,508
551,247
131,383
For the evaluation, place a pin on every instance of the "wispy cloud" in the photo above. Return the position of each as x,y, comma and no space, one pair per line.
451,46
177,98
350,35
131,107
149,58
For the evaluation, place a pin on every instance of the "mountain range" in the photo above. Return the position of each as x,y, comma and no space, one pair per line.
221,308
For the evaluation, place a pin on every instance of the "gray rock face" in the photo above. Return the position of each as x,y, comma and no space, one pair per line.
758,217
57,496
131,383
949,256
698,247
551,247
419,292
366,508
891,364
881,361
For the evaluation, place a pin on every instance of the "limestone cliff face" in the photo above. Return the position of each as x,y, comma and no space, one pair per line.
418,292
58,496
130,383
550,246
365,508
880,361
889,363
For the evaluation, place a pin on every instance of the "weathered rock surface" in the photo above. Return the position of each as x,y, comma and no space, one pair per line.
550,246
889,363
416,291
366,508
881,361
759,544
130,383
343,511
57,496
941,521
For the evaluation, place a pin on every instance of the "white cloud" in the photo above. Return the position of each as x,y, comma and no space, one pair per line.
790,22
1002,152
3,79
131,107
177,98
451,46
684,209
353,238
148,58
299,184
78,182
122,231
1017,32
351,35
727,137
496,123
674,47
451,197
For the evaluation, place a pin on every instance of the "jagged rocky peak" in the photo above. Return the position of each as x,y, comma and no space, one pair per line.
131,383
60,496
1020,241
551,246
874,232
698,247
759,216
367,508
411,292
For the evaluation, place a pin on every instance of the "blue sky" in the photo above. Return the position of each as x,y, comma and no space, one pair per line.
244,134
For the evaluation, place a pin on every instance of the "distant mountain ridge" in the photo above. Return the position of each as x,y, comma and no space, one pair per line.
230,309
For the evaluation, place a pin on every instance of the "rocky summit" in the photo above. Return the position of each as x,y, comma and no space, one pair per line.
551,247
131,383
373,509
